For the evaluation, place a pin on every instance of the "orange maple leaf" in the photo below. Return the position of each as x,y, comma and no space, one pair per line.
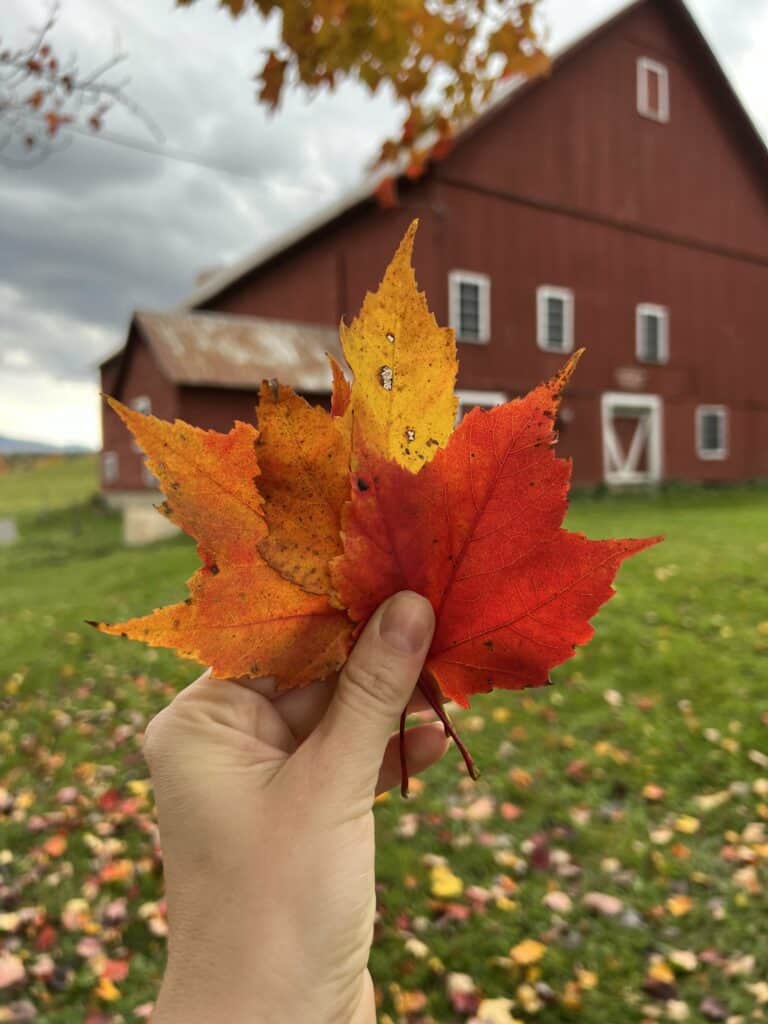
243,618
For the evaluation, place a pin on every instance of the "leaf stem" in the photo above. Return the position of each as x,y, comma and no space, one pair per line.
403,762
427,688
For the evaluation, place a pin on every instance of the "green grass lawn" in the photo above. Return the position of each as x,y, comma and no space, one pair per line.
641,775
55,481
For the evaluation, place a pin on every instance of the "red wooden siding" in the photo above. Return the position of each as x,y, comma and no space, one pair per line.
140,376
577,141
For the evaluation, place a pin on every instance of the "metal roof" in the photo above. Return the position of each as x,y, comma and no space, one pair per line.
221,350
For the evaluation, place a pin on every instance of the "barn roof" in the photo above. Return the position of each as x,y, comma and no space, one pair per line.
364,193
221,350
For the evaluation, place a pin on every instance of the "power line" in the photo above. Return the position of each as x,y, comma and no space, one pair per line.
153,149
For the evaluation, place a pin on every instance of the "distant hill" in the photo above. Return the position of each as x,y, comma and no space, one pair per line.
16,446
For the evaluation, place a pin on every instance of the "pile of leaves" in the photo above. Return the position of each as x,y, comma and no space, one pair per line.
306,524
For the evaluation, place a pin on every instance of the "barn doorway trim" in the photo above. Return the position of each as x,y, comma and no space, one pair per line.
634,455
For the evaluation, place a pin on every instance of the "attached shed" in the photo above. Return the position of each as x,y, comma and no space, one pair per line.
205,368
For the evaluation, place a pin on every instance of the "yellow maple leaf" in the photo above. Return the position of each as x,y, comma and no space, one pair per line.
405,368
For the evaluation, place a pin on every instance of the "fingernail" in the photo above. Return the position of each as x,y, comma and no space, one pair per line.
407,622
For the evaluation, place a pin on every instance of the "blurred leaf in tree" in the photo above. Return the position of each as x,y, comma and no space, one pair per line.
444,60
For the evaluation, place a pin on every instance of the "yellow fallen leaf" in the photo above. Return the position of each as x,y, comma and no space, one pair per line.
107,990
687,824
679,905
527,952
586,979
660,970
443,883
571,997
504,903
684,959
528,998
496,1011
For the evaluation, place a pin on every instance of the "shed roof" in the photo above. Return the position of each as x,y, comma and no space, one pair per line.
220,350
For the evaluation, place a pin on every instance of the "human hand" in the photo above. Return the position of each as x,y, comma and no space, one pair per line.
265,801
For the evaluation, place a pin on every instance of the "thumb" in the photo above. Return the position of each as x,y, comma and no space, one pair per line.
373,689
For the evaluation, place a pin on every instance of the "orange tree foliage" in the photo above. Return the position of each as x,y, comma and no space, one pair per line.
442,60
306,524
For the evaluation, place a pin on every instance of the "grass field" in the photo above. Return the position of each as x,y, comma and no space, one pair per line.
621,820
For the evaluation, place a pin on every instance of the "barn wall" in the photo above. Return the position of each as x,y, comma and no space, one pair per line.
141,377
717,352
576,140
216,408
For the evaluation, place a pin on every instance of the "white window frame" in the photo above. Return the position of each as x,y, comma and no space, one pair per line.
662,314
645,67
551,291
483,281
469,398
142,404
110,467
712,454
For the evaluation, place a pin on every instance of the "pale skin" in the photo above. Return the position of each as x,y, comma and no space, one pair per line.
265,809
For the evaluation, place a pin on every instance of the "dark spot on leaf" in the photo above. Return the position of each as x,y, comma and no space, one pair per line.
488,644
214,569
361,484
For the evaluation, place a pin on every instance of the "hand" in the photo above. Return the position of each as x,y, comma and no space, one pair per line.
265,808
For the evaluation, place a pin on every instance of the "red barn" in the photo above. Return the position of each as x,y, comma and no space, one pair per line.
620,204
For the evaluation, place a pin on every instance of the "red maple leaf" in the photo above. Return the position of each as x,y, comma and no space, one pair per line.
478,532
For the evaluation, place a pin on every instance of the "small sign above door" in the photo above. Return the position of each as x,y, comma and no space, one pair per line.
632,378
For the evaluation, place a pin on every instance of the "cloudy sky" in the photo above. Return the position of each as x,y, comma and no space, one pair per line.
100,229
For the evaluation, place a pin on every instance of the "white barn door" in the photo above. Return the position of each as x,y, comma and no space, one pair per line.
632,438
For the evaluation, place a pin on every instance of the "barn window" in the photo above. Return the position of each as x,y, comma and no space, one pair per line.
469,400
651,333
470,306
712,432
110,467
652,90
554,318
141,403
